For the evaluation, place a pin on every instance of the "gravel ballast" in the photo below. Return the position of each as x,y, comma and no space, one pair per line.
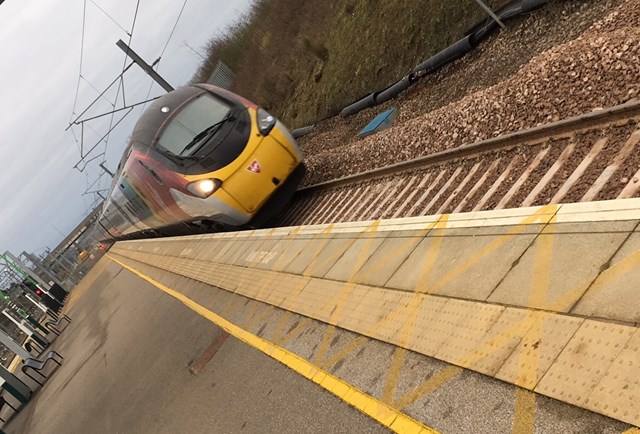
598,69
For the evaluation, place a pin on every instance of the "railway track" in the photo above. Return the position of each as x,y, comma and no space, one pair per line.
584,158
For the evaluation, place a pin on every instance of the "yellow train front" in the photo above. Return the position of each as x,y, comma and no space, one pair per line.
201,158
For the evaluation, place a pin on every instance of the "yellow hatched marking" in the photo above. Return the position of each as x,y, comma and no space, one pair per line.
265,284
524,419
432,253
360,341
343,295
393,378
609,275
367,404
286,338
313,263
345,351
428,386
319,356
498,340
257,318
357,343
541,215
362,258
525,402
250,314
279,329
617,270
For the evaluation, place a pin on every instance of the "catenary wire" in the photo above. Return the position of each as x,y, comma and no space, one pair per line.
110,17
75,99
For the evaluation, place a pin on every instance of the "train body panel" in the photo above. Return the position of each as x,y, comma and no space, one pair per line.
201,155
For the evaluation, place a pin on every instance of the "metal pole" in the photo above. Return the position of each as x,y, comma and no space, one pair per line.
106,170
17,269
488,10
26,270
144,65
39,266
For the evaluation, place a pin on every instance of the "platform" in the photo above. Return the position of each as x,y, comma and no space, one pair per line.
544,298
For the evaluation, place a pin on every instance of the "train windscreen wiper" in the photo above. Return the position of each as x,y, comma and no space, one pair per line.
208,132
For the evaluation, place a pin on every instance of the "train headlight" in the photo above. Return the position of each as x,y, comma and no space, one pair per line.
204,187
266,122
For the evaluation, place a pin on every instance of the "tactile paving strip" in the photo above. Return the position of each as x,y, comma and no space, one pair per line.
316,298
616,395
543,337
468,323
288,286
500,341
584,361
587,363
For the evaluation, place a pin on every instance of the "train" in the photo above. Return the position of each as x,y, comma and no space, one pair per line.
201,159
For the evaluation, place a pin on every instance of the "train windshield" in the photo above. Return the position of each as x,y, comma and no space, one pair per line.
180,137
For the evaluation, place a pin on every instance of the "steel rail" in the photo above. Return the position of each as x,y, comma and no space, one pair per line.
528,136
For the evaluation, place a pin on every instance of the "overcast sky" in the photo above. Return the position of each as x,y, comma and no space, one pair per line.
42,194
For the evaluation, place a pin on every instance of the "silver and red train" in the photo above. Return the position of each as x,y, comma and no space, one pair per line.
199,159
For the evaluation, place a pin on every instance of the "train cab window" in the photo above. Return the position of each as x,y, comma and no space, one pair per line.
190,128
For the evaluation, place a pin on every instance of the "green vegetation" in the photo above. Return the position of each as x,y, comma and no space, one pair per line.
305,60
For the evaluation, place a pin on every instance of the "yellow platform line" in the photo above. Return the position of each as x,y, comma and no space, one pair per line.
367,404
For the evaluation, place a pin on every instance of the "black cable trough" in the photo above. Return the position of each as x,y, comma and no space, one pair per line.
531,136
458,49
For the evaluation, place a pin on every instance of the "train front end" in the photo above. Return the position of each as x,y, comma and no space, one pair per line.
259,181
203,156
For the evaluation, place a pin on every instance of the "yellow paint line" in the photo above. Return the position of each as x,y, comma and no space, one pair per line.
290,335
266,284
343,295
363,255
344,352
251,313
257,318
525,415
393,378
428,386
525,401
278,331
541,216
312,264
446,375
432,252
367,404
280,260
609,275
320,355
318,263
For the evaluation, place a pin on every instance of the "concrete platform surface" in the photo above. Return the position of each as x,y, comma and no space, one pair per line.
516,295
126,365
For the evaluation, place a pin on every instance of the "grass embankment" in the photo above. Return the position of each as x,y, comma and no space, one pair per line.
304,61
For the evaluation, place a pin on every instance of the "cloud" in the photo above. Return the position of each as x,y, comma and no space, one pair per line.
41,192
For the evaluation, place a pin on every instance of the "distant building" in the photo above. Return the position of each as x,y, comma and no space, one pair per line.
222,76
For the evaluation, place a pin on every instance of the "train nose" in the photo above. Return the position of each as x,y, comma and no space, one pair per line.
260,175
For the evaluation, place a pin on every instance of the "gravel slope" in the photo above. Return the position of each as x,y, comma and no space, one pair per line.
597,69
